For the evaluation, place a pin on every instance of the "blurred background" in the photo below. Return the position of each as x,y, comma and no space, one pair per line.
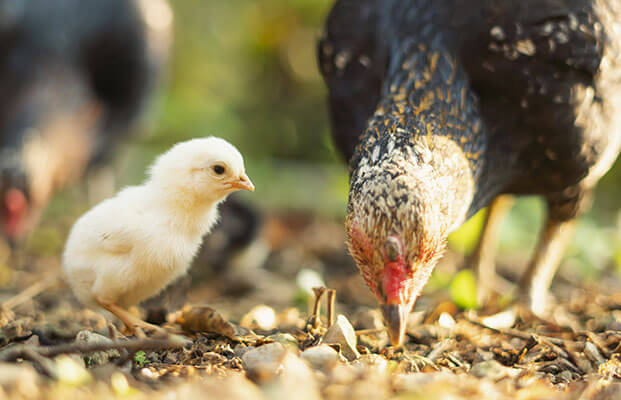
246,70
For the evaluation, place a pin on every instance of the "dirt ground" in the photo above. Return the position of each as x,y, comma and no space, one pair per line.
245,329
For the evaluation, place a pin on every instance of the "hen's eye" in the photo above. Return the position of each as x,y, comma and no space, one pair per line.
218,169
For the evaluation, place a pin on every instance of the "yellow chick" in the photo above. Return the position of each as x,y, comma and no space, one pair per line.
130,247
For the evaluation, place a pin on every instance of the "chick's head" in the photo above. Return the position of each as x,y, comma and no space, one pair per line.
203,170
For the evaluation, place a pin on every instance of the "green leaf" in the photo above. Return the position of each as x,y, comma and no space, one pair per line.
141,358
466,237
464,289
392,366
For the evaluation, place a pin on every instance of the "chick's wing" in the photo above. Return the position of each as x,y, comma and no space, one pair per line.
117,241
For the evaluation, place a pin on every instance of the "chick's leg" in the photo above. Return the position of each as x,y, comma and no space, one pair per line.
130,320
483,257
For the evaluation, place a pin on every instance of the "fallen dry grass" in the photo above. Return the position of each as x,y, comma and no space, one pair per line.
236,348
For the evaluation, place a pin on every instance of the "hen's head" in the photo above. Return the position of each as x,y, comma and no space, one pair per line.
396,230
201,171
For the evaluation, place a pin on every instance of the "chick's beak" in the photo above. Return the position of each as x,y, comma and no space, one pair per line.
395,319
243,183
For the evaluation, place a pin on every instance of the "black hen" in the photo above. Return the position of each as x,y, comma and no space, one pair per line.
440,106
74,75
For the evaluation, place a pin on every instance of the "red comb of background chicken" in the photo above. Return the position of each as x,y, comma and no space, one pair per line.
15,208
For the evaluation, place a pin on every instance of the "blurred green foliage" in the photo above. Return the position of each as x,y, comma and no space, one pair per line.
246,70
464,289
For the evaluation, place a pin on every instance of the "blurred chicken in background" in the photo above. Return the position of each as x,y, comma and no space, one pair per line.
74,78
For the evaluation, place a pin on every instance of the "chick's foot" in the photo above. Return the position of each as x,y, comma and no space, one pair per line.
130,321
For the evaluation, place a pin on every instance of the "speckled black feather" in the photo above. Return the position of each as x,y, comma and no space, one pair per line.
528,89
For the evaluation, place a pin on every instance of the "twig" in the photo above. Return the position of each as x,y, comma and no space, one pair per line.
369,331
115,335
24,351
28,293
454,358
113,332
416,358
530,343
316,317
597,341
331,303
557,349
439,349
519,334
532,339
42,364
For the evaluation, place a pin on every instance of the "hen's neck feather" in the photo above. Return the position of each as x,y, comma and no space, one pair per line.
427,126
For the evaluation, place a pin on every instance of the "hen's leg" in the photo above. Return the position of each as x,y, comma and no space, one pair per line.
483,257
130,320
557,232
537,279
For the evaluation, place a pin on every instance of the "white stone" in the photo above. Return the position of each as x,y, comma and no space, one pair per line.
264,360
372,362
493,370
287,340
322,357
259,317
446,321
343,333
98,357
296,381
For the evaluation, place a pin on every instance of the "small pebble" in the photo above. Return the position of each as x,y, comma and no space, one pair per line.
497,33
265,361
342,333
287,340
565,376
322,357
259,317
504,319
526,47
414,381
372,362
98,357
147,373
590,350
446,321
494,370
296,380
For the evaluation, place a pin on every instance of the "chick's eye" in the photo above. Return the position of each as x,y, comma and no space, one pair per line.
218,169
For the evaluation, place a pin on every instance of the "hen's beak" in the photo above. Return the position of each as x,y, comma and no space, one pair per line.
243,183
395,319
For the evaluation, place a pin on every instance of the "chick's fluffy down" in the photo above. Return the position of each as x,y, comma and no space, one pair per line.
124,251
